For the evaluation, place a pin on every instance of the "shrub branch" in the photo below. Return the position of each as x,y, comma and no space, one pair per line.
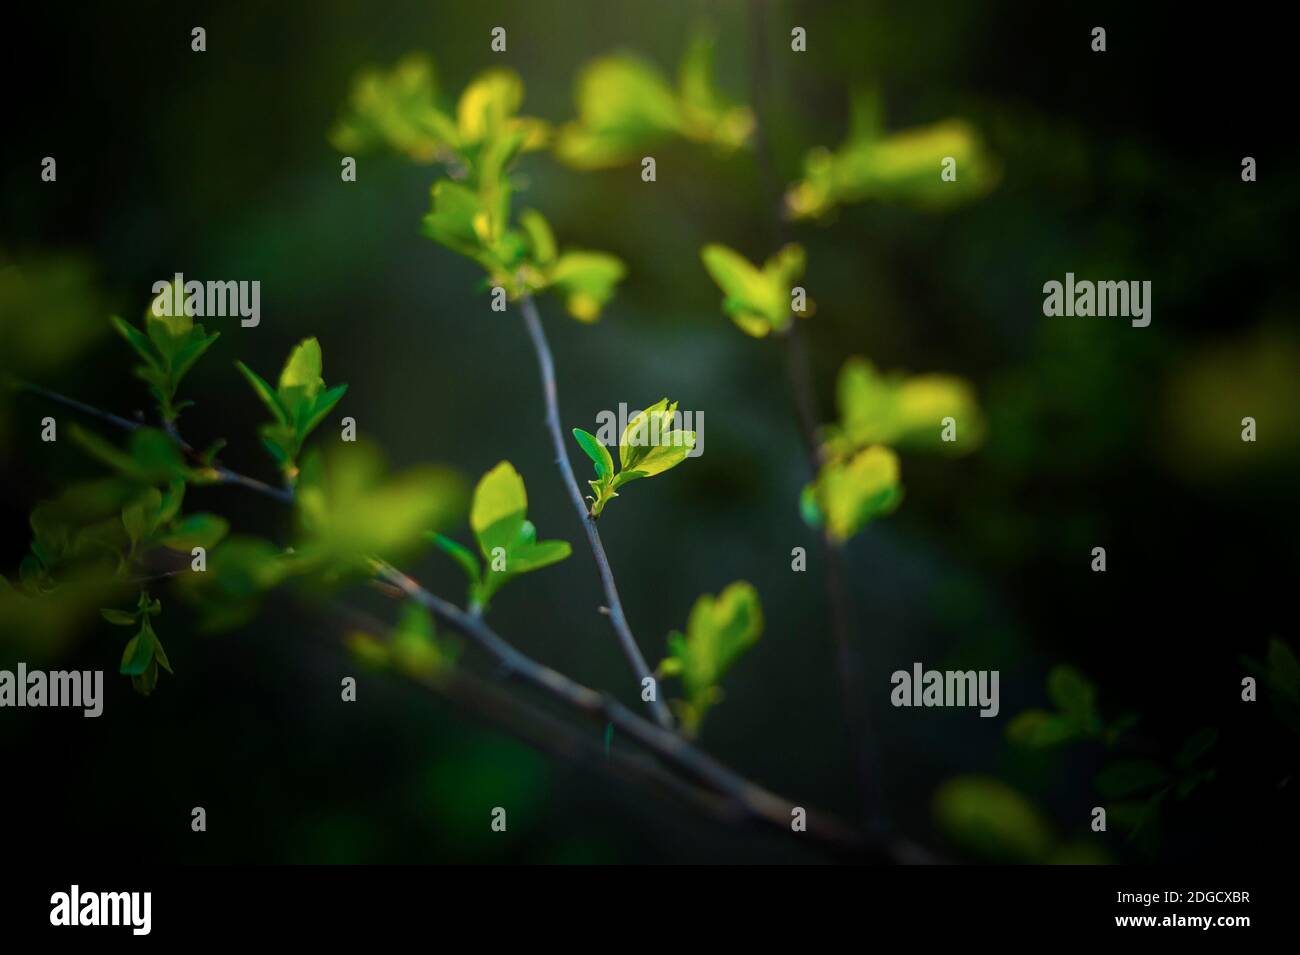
617,618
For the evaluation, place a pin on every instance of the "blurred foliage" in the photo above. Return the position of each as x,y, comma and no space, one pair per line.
718,631
1085,422
991,820
626,107
414,647
757,300
470,211
350,511
1076,716
894,167
1213,389
398,110
51,310
1279,676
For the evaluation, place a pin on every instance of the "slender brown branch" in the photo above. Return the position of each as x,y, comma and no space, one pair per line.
617,618
224,474
757,803
738,799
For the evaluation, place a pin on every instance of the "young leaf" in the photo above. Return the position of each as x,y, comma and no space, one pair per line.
350,511
500,504
596,450
265,392
757,300
718,631
506,538
850,494
648,446
299,403
460,554
901,167
587,280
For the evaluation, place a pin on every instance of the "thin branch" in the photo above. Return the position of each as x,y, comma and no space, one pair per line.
757,803
556,737
803,394
741,799
224,474
617,618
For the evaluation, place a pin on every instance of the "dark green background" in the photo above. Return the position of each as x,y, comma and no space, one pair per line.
1119,165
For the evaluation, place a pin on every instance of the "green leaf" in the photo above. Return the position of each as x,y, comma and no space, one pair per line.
191,353
596,450
541,239
1130,777
487,109
1039,729
266,393
587,280
901,411
624,106
119,618
539,555
324,404
397,110
989,819
899,167
460,554
1073,694
350,511
138,341
500,504
855,492
300,380
152,457
139,651
415,646
458,219
195,530
718,631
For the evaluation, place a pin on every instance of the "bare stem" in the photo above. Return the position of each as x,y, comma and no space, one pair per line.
737,798
224,474
617,619
757,803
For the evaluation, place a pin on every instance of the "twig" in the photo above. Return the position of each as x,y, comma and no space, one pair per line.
617,619
747,800
757,803
803,394
224,474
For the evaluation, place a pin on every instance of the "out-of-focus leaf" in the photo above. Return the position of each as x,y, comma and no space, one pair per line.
852,493
757,300
349,511
901,167
718,631
989,819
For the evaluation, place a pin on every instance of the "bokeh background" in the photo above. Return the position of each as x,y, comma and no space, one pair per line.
1116,165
